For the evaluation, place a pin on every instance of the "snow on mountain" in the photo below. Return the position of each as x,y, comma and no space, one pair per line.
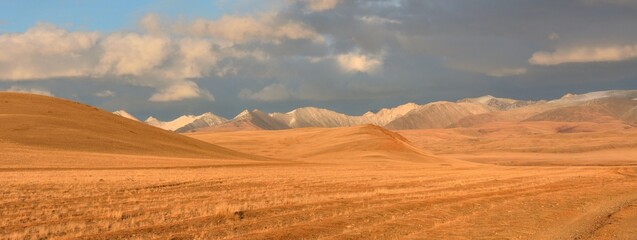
182,121
125,114
242,114
499,103
255,119
406,116
153,121
316,117
205,120
386,115
575,98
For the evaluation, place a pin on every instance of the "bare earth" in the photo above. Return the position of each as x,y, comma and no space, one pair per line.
539,180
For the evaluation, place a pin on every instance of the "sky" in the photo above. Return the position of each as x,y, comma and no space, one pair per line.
169,58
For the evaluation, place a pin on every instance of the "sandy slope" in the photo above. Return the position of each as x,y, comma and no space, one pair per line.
40,122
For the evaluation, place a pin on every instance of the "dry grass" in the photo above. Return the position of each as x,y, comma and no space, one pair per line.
533,143
52,123
330,196
349,183
306,201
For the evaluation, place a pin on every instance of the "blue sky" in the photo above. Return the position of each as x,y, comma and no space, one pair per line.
17,16
167,58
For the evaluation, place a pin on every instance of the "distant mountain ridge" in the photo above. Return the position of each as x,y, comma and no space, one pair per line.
187,122
499,103
615,105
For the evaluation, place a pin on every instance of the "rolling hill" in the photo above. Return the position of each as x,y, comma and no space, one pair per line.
41,122
343,144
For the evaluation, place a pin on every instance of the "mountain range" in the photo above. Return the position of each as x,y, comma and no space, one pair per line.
601,106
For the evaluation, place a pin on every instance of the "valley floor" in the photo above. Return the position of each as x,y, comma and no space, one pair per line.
294,200
357,183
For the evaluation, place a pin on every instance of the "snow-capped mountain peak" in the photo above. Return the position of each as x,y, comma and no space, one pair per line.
498,103
407,116
125,114
315,117
182,121
397,111
387,115
204,120
151,119
242,114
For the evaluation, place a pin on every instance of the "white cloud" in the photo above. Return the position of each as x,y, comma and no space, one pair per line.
321,5
353,62
45,51
265,27
504,72
151,23
181,91
157,58
38,91
167,56
585,55
195,59
554,36
105,93
271,93
132,53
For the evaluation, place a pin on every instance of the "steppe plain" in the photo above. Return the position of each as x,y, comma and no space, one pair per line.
69,170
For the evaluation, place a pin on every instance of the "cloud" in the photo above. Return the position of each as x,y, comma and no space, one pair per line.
505,72
151,23
195,59
45,51
585,55
38,91
131,54
180,91
378,20
105,93
264,27
319,51
353,62
321,5
271,93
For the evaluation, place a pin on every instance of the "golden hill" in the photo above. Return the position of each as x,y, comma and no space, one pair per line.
363,142
42,122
